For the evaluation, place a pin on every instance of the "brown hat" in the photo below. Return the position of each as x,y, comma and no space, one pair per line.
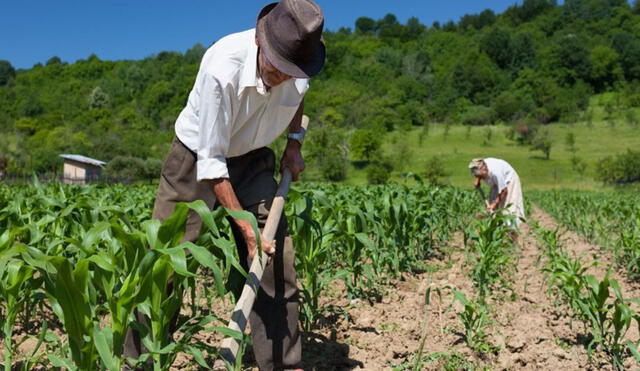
290,35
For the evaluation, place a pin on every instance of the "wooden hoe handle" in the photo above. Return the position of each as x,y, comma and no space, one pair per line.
483,196
240,315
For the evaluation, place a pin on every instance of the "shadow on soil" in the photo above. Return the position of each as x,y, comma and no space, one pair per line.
322,353
319,353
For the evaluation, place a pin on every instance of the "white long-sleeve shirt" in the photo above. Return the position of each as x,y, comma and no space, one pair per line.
229,111
500,173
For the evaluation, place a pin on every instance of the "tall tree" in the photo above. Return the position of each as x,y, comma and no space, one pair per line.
7,72
497,44
365,25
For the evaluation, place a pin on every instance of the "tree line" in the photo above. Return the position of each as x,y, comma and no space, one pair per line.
535,63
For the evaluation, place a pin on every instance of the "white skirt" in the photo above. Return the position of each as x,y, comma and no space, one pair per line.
514,202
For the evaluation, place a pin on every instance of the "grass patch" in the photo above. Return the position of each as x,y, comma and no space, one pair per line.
593,141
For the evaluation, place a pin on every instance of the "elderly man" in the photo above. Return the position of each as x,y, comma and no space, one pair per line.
504,184
249,89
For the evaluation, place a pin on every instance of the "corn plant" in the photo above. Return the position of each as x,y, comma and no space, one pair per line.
608,321
475,319
590,301
566,277
551,240
490,253
353,241
380,232
92,257
608,219
628,254
16,285
92,261
418,357
312,240
162,304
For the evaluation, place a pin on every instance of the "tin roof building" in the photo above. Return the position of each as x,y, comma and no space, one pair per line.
80,169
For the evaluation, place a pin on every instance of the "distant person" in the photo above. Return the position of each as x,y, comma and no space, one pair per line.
250,88
504,183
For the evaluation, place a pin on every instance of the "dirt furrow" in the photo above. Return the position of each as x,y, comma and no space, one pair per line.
591,253
380,336
600,264
530,330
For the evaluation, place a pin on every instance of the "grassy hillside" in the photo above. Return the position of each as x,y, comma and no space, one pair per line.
593,141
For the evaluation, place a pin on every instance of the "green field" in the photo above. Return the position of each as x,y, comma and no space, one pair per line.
593,143
595,140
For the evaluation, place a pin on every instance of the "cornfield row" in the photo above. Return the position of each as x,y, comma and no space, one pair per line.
611,220
599,305
75,262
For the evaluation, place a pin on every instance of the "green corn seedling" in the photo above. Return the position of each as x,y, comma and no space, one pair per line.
312,241
474,319
490,254
608,321
15,291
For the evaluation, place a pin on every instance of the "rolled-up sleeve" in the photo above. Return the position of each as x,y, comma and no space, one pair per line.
214,130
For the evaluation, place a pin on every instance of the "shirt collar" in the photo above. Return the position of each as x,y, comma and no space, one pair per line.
249,76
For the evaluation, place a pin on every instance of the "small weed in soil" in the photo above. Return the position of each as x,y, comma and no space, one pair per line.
446,361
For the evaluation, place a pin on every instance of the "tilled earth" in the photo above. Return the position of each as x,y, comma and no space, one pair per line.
528,330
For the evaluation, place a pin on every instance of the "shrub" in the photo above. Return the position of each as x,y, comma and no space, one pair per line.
364,143
506,106
523,131
152,168
129,169
631,94
542,141
478,115
435,170
623,168
379,172
487,135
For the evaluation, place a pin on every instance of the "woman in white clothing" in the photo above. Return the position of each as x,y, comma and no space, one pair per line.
504,183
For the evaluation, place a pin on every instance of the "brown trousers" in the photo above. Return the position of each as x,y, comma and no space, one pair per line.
274,320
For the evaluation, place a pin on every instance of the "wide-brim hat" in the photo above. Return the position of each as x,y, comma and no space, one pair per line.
476,163
290,35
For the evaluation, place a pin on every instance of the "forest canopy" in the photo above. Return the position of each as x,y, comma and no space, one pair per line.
536,61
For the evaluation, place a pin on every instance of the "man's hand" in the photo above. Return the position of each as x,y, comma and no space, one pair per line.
227,197
269,247
292,159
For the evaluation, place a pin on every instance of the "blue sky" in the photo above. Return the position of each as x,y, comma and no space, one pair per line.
33,31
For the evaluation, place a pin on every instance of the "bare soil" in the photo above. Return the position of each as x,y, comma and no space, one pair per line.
528,332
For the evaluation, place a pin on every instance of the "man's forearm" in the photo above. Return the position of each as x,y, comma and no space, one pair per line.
296,122
292,157
295,126
223,190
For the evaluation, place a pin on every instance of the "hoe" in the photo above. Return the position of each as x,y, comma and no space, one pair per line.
240,315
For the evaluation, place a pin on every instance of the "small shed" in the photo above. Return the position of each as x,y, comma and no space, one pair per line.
80,169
